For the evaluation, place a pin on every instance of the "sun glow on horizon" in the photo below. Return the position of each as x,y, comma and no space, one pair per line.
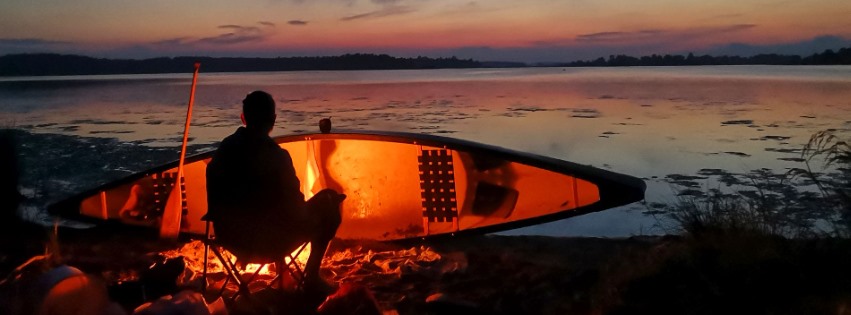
270,27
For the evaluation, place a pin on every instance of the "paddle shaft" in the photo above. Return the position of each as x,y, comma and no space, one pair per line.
170,226
188,119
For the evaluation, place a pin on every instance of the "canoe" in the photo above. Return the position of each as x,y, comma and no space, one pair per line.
399,186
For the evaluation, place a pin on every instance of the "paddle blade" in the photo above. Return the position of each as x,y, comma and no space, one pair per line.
170,225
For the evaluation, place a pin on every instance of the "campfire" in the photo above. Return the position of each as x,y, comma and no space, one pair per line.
193,256
383,268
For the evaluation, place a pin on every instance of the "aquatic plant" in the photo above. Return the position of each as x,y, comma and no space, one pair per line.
805,202
834,180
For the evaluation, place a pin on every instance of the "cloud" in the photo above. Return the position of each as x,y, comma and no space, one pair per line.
803,48
386,2
661,35
529,54
727,16
240,34
590,51
29,45
618,36
636,43
173,41
387,11
297,22
31,42
234,34
332,2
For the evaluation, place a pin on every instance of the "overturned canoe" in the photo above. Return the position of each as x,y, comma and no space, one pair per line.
399,186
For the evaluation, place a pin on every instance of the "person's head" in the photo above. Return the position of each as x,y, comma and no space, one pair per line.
258,111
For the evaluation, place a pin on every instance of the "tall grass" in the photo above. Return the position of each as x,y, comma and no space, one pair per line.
834,153
768,243
813,201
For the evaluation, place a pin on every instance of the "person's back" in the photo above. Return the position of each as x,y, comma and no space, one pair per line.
248,184
254,198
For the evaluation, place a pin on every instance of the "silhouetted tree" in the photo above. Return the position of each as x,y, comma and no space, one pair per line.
828,57
55,64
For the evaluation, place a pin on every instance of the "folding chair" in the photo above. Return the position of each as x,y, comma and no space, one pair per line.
238,275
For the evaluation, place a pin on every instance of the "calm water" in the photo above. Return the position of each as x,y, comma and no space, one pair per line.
646,122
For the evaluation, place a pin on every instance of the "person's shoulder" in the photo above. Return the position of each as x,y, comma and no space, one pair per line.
236,137
281,152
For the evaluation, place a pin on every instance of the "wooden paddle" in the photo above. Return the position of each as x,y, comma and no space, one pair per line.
173,212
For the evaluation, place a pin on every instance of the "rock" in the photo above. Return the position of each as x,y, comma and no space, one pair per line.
351,299
161,279
184,303
440,303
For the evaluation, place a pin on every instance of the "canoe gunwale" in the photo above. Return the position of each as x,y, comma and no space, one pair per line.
615,189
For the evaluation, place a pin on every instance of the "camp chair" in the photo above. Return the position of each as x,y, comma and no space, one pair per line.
238,275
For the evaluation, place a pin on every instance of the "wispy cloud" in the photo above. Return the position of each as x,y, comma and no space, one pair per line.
804,47
531,54
29,45
618,36
639,42
727,16
37,42
173,41
297,22
660,35
384,12
234,34
240,34
344,2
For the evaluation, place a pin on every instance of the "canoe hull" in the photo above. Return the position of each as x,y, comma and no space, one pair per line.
399,186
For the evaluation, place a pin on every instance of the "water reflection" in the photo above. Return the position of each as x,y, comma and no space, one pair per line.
646,122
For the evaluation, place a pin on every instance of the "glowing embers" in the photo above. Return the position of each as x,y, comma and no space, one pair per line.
193,255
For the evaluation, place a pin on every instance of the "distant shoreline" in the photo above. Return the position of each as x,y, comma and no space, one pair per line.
45,64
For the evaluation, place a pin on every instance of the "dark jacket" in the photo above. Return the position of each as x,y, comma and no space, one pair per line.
251,184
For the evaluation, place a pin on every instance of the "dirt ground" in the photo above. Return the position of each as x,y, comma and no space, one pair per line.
479,274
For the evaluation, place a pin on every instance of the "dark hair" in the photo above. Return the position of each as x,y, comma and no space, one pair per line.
259,109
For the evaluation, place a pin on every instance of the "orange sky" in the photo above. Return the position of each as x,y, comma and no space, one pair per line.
568,29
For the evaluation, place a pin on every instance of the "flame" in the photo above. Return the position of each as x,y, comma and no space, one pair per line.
300,258
314,181
193,254
264,269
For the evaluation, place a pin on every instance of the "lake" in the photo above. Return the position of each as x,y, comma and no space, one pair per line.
649,122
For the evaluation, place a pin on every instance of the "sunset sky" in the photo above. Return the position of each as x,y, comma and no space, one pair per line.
509,30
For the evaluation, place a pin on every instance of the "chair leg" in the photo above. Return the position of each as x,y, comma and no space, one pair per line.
207,239
243,288
298,274
204,276
232,271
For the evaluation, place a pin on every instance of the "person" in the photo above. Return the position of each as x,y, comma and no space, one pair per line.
254,199
45,286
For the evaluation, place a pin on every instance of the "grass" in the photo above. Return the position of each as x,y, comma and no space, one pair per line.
777,244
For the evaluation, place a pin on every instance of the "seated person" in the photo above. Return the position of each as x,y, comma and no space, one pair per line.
254,196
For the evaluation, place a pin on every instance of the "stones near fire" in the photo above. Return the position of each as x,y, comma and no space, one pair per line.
350,299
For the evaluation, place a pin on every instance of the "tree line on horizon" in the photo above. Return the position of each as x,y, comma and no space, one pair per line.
57,64
828,57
